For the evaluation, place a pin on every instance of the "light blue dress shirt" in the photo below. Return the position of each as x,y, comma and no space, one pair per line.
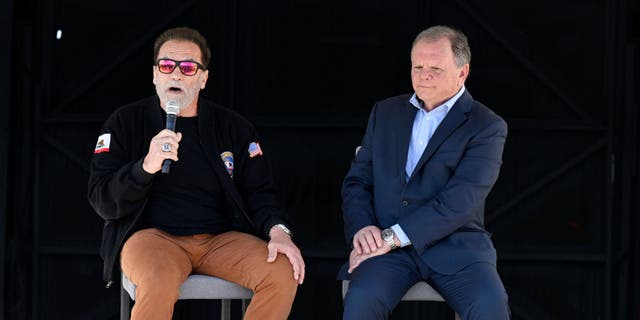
424,125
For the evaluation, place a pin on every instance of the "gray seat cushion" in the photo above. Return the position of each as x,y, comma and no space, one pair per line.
420,291
201,287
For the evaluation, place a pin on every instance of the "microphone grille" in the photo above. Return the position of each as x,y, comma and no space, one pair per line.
173,107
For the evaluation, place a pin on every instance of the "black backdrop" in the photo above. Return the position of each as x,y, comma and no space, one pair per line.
564,75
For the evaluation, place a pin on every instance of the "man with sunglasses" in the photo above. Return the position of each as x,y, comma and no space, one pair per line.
209,213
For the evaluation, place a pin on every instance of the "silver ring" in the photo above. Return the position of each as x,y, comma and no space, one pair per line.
166,147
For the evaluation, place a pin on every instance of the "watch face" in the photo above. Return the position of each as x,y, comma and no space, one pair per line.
387,233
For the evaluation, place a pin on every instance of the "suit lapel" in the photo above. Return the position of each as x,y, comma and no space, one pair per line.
404,136
456,117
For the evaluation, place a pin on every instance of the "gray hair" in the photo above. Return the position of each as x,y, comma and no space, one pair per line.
184,34
459,43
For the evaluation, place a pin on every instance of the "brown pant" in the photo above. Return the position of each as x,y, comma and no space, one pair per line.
158,263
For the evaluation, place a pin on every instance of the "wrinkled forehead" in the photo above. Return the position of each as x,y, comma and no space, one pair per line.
432,50
442,43
180,50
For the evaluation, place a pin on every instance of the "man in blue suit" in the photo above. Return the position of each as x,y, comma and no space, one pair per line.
413,200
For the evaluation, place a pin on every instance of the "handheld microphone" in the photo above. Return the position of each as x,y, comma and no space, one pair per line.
172,109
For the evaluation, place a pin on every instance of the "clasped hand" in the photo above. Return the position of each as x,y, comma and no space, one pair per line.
367,243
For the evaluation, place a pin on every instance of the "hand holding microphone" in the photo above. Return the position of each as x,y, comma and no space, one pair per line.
172,114
163,147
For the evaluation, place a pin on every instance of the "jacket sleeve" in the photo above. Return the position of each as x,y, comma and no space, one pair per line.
118,186
255,182
464,192
357,188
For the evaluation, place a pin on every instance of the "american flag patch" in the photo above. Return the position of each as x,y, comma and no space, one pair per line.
104,140
254,149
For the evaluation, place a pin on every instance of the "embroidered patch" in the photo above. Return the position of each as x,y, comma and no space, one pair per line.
254,150
104,140
227,158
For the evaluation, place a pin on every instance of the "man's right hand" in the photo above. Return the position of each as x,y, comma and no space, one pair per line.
152,162
367,240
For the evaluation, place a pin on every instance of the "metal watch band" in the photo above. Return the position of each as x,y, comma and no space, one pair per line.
389,240
284,228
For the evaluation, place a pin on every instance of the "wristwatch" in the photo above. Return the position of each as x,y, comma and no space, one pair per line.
387,236
284,228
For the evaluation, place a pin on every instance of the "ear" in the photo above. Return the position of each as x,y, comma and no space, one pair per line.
464,73
203,79
154,76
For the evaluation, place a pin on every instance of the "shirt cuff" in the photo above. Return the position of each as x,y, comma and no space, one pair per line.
404,240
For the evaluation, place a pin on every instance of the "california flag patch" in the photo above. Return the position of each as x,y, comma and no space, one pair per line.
103,143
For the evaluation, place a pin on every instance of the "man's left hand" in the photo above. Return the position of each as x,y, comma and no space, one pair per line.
356,259
281,243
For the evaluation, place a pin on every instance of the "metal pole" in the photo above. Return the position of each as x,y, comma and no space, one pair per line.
6,10
614,158
42,101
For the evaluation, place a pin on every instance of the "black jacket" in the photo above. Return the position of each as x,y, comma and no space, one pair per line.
118,190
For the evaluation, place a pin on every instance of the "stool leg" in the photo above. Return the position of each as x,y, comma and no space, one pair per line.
225,309
125,305
245,303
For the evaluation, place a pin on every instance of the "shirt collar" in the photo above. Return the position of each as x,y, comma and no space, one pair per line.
448,104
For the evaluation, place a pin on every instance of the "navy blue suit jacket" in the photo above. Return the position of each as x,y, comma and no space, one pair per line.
441,206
